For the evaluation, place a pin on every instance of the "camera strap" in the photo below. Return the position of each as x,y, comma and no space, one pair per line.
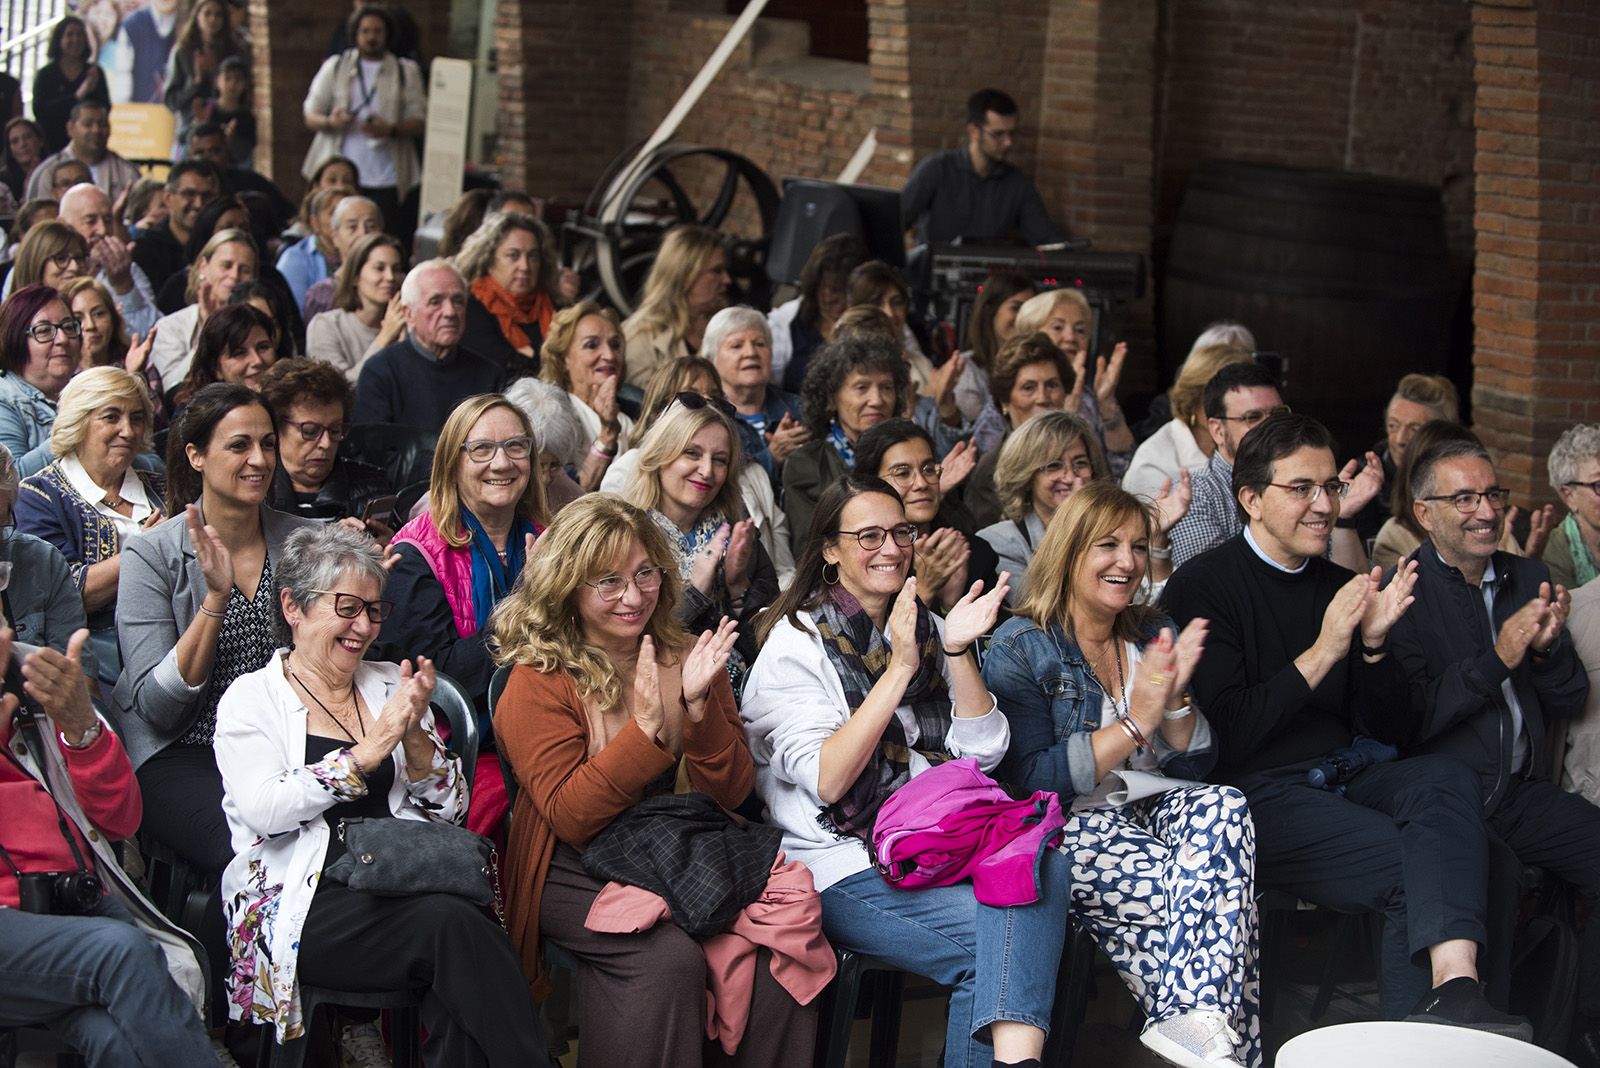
28,727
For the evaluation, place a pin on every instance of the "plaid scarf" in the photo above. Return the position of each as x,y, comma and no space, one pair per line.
858,651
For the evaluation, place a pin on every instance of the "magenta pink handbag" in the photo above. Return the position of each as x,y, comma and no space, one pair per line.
953,822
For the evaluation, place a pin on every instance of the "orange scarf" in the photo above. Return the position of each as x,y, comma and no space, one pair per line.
513,313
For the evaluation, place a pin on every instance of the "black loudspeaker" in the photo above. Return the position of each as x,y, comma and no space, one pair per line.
813,210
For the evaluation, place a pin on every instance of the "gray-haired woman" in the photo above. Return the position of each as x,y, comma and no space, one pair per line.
562,441
317,736
739,342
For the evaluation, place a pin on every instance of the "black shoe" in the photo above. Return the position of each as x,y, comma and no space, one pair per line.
1460,1003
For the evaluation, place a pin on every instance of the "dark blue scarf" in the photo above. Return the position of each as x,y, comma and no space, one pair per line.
492,579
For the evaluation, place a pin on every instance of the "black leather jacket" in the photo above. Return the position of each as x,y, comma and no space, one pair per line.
350,485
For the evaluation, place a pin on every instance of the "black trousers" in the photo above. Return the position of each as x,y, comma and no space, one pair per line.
477,1010
1406,840
1547,827
182,791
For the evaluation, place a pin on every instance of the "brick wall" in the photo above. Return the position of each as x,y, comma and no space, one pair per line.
1536,313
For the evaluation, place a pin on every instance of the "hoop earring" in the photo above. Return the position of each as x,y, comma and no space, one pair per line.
826,581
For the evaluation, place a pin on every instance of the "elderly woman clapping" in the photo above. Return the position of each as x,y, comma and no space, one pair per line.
738,342
91,500
319,736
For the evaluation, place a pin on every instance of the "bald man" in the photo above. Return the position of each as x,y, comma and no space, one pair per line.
87,209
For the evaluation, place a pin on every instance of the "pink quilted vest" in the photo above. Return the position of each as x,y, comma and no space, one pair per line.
953,822
451,566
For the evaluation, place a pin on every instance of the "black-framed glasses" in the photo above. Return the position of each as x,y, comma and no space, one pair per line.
67,259
1082,466
695,401
348,606
482,450
870,538
612,587
45,332
310,431
900,474
1257,415
1467,500
1310,491
1592,487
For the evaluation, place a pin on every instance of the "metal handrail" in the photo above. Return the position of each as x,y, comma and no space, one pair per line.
16,43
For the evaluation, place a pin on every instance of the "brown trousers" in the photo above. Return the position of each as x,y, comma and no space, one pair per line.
642,997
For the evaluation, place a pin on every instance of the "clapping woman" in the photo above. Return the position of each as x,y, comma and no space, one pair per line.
610,702
316,736
1095,683
858,688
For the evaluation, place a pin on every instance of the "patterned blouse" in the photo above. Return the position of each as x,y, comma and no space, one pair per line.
245,645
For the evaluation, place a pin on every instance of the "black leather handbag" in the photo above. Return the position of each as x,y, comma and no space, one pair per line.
396,858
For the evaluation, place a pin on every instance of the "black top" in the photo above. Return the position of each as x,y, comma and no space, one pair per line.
423,625
1259,706
54,97
349,486
244,180
481,334
804,339
946,199
374,805
160,256
403,384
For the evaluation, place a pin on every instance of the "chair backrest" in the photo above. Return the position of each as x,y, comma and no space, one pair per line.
452,702
404,453
497,686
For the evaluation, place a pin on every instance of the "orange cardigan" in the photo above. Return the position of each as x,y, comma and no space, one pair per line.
541,730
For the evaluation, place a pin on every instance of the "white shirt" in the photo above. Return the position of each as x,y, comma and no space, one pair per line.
370,154
132,491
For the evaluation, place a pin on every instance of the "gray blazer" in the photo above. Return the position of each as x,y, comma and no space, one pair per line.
1015,551
158,596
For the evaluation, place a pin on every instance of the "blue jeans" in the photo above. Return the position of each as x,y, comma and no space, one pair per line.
100,984
1000,963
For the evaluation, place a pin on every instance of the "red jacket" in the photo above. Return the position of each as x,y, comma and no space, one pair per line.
102,779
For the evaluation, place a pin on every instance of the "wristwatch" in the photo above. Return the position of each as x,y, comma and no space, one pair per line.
88,738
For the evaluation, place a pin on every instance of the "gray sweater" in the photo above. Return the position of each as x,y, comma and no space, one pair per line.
158,596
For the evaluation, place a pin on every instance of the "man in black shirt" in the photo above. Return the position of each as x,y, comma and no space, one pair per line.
973,192
209,141
159,252
1296,664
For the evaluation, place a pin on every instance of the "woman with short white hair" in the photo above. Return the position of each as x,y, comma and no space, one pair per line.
1574,545
562,440
738,342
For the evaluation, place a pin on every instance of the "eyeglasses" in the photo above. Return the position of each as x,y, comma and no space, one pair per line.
313,431
870,538
1467,500
45,332
1592,487
612,587
348,606
1310,491
1256,415
695,401
900,474
67,259
483,450
1081,466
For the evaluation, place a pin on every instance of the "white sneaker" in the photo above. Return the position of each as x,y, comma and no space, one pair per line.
224,1058
1199,1039
361,1046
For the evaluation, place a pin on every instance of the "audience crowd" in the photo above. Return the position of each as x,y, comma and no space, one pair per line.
311,559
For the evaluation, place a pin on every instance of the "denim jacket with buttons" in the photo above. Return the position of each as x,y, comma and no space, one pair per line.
26,416
1044,686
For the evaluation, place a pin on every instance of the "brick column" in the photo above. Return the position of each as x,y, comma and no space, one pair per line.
288,42
1536,292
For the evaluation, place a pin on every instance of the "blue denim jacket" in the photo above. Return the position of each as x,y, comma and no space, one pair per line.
1053,702
26,416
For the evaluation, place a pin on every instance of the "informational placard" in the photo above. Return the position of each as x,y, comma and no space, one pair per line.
444,153
141,132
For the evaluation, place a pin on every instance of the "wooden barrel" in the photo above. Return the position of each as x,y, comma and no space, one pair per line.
1346,275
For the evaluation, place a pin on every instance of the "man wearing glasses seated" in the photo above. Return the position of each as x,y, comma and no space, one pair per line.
1494,677
1237,399
1296,668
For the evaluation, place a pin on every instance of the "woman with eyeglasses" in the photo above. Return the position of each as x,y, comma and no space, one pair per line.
610,703
312,401
464,555
40,345
53,253
195,610
858,688
950,556
316,736
687,479
1042,464
693,381
91,500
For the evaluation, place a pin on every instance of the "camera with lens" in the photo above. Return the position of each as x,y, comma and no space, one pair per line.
59,893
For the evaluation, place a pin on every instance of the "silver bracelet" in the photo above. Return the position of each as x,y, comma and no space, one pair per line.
1157,553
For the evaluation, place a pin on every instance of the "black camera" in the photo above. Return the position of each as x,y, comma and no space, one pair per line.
59,893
